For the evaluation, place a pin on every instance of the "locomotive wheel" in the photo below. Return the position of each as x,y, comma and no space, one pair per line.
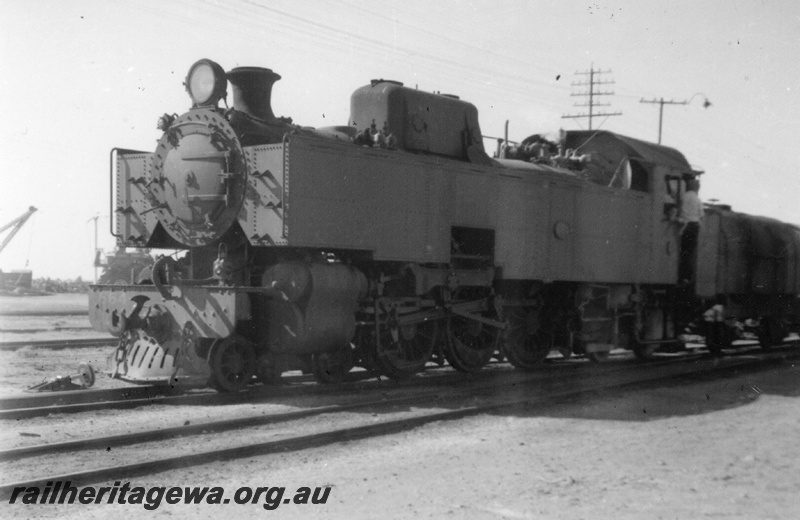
405,350
330,367
469,345
232,362
524,350
770,333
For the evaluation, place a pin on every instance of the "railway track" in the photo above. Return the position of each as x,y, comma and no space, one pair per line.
26,406
33,405
58,344
477,382
528,392
29,406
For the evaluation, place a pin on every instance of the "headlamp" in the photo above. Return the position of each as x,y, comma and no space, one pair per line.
206,83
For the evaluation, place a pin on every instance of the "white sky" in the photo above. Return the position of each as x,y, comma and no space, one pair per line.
81,77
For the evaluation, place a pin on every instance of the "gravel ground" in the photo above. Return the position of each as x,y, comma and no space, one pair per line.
27,366
725,449
46,305
40,318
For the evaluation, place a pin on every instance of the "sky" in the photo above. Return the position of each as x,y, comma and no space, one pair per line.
81,77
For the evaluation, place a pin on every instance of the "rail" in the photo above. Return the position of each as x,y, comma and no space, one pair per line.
407,420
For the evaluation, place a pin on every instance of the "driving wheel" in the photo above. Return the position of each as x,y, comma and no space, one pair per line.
526,344
470,344
404,350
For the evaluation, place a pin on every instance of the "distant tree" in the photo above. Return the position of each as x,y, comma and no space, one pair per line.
60,286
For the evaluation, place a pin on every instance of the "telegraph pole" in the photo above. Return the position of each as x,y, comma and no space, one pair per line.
661,102
591,94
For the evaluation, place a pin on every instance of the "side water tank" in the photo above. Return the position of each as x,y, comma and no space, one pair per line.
420,121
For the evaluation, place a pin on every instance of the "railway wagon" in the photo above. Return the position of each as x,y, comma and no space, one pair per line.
749,269
387,243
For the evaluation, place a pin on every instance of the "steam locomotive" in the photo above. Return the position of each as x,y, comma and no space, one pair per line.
396,241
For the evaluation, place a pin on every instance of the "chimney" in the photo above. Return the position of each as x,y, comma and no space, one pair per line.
252,90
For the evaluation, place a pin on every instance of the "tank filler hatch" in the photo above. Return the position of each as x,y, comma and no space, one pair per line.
198,178
420,121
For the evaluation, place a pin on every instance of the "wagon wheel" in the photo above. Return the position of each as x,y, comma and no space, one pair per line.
331,366
469,345
404,350
526,344
232,362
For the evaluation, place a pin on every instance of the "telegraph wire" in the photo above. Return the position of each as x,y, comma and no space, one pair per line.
523,92
518,87
515,58
466,71
409,52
